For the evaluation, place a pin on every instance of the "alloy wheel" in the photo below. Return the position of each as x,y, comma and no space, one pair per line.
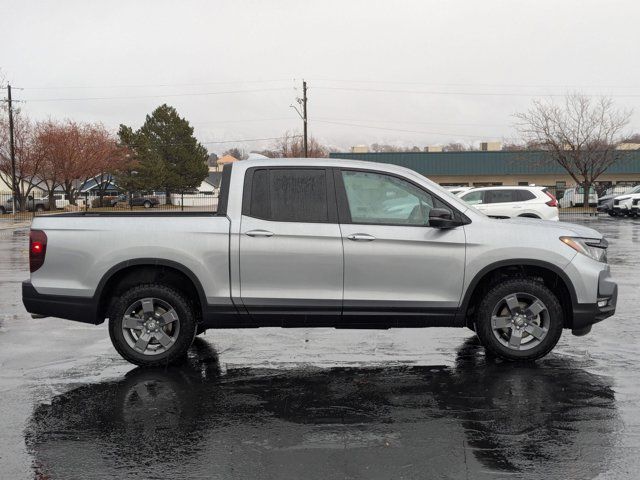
150,326
520,321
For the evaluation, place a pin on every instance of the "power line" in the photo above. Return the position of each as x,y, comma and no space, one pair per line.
460,93
180,144
447,84
158,85
251,139
130,97
250,120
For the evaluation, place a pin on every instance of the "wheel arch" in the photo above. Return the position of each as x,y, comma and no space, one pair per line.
551,275
149,270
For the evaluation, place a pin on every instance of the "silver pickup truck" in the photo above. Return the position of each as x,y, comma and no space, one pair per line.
319,243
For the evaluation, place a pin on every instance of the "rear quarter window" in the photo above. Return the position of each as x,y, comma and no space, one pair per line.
524,195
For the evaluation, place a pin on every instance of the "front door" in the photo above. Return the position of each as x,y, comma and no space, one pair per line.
398,271
291,264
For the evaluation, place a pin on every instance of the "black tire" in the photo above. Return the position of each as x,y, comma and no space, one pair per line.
147,204
2,211
612,213
520,287
184,337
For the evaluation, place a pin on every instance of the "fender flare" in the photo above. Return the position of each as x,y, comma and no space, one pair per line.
151,262
513,262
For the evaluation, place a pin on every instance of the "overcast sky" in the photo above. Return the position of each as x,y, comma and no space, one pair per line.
403,72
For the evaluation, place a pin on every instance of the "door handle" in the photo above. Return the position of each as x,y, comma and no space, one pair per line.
259,233
361,237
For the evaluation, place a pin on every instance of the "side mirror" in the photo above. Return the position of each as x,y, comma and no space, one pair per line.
441,218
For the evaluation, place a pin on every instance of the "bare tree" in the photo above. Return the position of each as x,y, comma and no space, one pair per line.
580,134
454,147
72,153
28,162
235,152
290,145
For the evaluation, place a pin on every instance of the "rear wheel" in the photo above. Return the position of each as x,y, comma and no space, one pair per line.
2,210
147,204
519,319
152,325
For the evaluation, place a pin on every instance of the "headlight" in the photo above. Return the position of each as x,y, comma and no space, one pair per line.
595,248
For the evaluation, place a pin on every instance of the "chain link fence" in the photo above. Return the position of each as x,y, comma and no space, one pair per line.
85,202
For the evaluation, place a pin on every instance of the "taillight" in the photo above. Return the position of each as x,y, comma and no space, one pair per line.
553,202
37,249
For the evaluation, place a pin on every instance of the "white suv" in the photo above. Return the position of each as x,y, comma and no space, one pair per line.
510,202
627,204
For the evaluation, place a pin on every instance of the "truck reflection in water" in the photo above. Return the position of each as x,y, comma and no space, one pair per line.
481,418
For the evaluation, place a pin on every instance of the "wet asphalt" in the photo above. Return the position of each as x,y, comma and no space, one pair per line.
320,403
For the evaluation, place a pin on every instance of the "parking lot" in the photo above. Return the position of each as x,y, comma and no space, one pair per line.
320,403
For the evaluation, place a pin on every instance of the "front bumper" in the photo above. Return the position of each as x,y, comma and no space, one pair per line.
586,314
605,206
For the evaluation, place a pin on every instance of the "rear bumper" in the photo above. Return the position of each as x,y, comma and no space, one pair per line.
586,314
80,309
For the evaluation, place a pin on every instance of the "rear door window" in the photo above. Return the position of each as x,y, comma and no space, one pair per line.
500,196
289,195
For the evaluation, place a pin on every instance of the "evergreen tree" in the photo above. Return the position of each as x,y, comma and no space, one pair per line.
165,153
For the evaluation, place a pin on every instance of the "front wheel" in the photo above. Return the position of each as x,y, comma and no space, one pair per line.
519,319
152,325
147,204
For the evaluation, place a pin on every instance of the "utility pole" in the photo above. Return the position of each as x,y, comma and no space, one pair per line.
303,102
12,152
304,117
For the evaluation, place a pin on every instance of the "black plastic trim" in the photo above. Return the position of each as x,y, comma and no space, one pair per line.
80,309
513,262
155,262
225,183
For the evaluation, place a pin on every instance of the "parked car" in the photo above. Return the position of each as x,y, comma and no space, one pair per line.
32,205
104,201
511,202
136,201
626,204
605,202
574,197
319,243
458,190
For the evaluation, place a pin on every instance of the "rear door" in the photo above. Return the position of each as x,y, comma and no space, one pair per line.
502,202
291,262
398,271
